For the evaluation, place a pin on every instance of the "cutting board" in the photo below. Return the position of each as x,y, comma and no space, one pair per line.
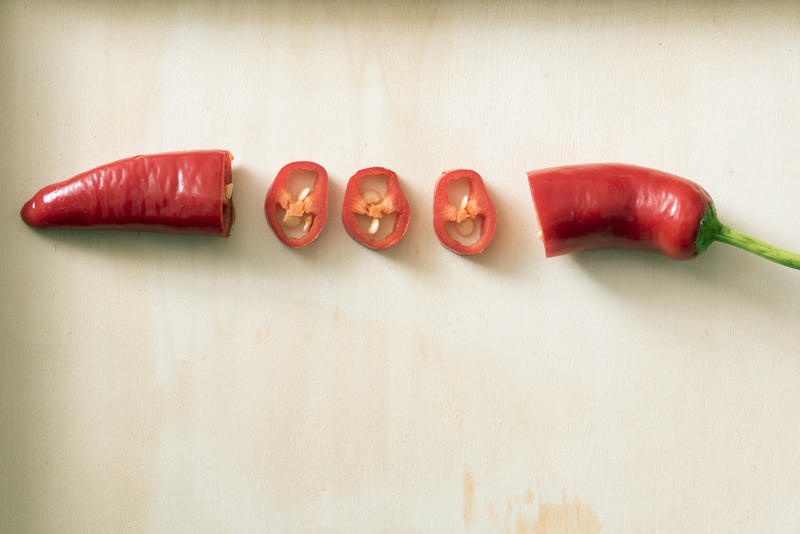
155,383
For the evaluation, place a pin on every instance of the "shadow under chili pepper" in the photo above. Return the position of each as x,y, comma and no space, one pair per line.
403,253
502,255
136,258
407,251
718,275
256,247
141,245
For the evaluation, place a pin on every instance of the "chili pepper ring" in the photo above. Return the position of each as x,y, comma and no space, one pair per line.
308,210
475,205
372,204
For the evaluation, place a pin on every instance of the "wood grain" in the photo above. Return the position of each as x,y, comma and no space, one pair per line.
170,384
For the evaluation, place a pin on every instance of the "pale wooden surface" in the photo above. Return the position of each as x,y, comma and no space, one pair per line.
167,384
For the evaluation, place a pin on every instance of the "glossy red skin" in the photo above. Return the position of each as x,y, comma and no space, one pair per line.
613,205
394,200
176,192
444,211
316,202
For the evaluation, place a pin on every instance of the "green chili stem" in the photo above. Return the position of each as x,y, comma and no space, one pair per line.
756,246
712,230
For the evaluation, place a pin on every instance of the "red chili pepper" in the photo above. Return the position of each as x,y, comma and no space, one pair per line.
309,210
177,192
476,205
371,204
585,207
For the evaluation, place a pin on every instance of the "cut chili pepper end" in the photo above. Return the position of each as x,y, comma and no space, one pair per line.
621,200
175,192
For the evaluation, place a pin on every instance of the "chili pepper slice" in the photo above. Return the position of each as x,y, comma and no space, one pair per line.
175,192
477,205
308,211
614,205
372,204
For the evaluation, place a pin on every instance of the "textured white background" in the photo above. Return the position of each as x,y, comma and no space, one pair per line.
154,383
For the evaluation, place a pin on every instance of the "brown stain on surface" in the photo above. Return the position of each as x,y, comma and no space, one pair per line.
493,514
522,516
299,420
566,518
262,335
469,499
569,517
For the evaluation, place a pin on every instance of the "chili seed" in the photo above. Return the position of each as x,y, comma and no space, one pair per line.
373,226
465,227
291,221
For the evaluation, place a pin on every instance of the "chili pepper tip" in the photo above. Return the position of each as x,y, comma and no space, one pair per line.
28,214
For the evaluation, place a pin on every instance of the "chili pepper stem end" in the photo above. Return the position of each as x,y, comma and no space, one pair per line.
711,229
